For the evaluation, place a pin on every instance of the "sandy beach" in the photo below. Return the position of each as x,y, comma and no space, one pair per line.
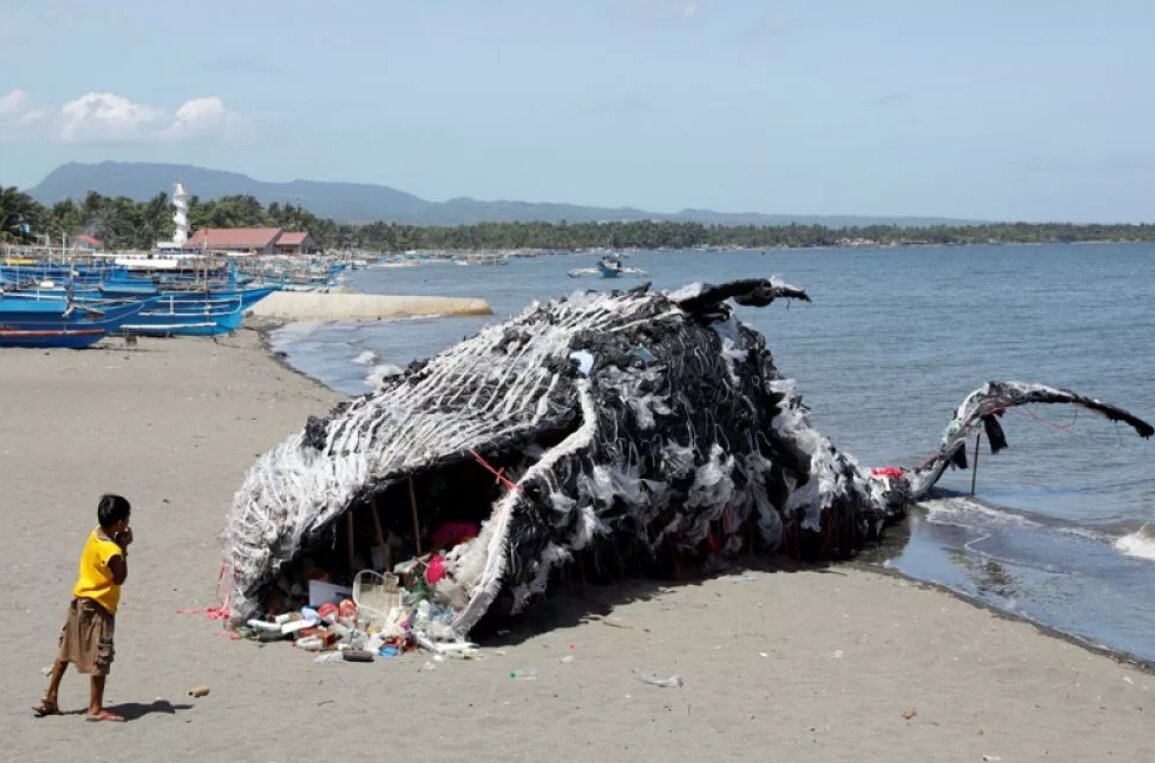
823,665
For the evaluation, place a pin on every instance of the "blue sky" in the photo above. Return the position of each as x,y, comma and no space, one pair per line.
980,109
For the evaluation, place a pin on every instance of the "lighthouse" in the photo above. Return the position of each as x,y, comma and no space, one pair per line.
179,240
180,217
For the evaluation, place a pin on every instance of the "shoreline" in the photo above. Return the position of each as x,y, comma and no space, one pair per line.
821,664
264,328
1120,656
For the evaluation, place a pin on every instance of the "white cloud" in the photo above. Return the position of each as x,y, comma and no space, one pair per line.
205,118
106,117
17,114
111,118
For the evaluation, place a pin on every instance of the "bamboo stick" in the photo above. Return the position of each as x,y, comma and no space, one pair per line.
416,521
975,468
380,534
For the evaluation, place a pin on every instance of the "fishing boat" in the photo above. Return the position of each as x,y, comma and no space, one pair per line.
192,313
74,327
73,339
609,266
38,302
198,315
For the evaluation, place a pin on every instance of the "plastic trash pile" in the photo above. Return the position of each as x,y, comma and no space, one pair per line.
379,619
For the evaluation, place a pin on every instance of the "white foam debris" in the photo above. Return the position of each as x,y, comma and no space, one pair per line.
365,358
1140,543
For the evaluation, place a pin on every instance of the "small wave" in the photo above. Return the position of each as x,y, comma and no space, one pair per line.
965,511
380,373
365,358
1140,543
291,333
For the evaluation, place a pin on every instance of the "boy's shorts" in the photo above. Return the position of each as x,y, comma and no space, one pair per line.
86,638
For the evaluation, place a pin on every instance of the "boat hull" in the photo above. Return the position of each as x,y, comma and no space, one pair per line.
72,339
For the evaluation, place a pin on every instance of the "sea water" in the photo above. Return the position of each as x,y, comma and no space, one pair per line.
1061,529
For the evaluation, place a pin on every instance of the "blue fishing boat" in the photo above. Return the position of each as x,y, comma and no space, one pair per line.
170,315
191,313
73,339
75,327
23,302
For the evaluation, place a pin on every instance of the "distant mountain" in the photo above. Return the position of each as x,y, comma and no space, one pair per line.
363,202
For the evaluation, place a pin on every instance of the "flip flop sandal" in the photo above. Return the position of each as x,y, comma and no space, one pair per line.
46,707
105,715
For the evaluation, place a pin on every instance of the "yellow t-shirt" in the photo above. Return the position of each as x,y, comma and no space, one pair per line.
95,580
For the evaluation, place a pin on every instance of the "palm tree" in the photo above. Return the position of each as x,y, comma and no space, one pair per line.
19,214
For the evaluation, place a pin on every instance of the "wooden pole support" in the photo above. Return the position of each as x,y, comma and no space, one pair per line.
380,534
377,524
975,468
416,521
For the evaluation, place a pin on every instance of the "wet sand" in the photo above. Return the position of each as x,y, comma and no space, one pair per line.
823,665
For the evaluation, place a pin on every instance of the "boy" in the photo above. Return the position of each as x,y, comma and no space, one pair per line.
86,639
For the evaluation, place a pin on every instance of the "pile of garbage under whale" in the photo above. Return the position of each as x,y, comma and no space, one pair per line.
602,435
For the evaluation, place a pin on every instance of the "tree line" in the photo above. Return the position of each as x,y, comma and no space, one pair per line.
122,223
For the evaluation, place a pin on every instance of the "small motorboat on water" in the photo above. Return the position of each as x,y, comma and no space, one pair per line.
609,266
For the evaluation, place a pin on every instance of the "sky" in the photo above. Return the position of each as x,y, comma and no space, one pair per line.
979,109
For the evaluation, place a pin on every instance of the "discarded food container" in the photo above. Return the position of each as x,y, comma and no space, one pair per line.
376,596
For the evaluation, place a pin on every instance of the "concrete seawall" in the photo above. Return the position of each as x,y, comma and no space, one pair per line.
315,306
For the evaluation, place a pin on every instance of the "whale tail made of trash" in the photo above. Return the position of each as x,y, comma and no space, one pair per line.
980,412
607,432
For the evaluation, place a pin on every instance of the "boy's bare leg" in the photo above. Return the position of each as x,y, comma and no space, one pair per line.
57,674
48,704
96,711
96,695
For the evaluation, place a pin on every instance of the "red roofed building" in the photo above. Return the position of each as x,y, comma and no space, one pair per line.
246,240
295,242
85,243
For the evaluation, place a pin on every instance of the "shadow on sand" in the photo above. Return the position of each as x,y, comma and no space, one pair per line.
573,602
135,710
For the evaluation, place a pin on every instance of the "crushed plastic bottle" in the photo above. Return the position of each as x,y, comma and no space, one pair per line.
311,643
673,682
523,675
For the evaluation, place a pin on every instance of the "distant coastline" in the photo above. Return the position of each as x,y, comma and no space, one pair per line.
123,224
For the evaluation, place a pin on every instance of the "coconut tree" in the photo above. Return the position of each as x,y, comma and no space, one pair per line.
19,214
